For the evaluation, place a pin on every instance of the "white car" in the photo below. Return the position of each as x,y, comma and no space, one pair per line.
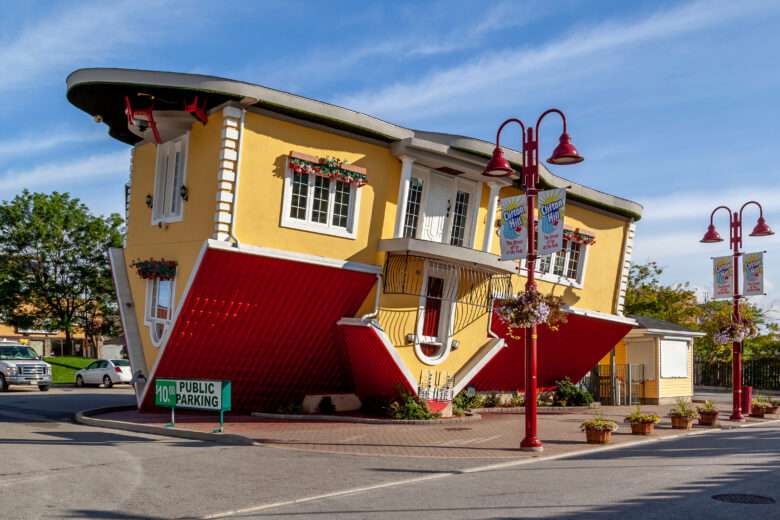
106,372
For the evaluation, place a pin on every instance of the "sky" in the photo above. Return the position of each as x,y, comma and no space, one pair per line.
673,104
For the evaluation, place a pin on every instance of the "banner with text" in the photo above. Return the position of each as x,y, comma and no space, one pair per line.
753,272
513,230
552,204
723,277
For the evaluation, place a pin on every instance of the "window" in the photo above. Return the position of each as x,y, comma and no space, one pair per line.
674,358
413,204
459,217
436,313
566,263
169,179
320,204
159,307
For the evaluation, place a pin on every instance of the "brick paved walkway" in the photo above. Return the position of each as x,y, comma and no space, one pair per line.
496,436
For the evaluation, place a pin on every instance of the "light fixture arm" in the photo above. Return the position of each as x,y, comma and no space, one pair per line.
731,221
501,128
748,203
550,111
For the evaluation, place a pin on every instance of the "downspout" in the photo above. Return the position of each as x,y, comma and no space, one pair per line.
373,314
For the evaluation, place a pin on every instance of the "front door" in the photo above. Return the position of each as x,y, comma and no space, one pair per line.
438,208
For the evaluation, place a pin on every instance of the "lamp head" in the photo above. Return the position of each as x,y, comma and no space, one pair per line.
498,166
711,236
565,153
762,229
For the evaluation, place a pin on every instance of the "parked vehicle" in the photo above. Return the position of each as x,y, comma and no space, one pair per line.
106,372
21,365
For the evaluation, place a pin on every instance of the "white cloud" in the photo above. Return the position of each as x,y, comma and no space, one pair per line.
698,205
440,91
45,140
66,174
84,34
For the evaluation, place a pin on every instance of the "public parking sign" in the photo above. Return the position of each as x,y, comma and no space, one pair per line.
195,394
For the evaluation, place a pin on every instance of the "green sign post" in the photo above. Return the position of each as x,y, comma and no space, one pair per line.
195,394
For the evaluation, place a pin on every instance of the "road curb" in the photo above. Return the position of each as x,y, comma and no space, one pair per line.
87,417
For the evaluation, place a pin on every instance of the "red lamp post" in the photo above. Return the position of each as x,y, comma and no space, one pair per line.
498,166
735,239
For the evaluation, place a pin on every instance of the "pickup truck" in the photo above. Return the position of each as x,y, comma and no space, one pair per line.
21,365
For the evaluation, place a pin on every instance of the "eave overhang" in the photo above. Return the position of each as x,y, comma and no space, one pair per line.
448,253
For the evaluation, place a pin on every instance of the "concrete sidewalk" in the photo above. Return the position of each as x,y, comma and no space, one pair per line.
495,436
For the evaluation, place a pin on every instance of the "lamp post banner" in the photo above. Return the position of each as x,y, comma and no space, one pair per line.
552,205
513,231
723,277
753,272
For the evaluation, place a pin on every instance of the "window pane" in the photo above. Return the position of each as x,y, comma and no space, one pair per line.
319,211
160,197
175,198
413,207
544,263
341,204
300,190
560,259
459,218
164,297
573,268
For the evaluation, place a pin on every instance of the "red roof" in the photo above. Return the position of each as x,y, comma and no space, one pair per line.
267,324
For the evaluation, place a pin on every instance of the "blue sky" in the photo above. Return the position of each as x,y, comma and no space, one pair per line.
673,104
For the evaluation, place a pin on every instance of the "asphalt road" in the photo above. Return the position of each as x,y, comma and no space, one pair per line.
52,468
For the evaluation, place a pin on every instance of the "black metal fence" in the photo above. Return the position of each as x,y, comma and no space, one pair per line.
762,374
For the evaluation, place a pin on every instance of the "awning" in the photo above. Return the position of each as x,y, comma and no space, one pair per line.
267,323
570,352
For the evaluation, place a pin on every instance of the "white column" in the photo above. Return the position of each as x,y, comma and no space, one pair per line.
487,242
403,194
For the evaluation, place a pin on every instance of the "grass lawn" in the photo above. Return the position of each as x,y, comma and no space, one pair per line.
63,369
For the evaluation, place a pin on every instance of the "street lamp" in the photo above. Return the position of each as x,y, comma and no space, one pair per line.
498,166
735,239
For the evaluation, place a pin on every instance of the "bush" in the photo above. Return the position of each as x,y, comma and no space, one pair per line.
290,409
516,400
683,409
410,407
491,401
599,424
637,417
464,401
569,394
326,405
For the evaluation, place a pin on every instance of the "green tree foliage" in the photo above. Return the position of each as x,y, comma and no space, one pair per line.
647,296
54,267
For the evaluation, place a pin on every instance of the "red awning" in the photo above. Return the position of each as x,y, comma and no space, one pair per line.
267,324
570,352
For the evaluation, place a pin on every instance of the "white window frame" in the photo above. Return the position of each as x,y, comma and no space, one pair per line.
149,320
577,283
669,370
160,203
307,224
446,316
473,188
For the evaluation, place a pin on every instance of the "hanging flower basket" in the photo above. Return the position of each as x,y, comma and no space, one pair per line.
155,269
327,167
732,332
528,309
579,237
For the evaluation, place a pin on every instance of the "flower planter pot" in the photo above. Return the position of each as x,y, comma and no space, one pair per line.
642,428
772,410
682,423
598,436
708,418
757,412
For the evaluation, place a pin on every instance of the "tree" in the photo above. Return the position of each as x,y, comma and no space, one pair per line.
54,268
646,296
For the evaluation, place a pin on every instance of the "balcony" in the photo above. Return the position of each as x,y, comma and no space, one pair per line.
463,256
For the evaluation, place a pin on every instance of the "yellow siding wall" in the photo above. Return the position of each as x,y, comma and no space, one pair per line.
179,241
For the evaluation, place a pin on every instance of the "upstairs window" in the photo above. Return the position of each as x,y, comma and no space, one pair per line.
459,218
320,203
413,206
169,179
566,263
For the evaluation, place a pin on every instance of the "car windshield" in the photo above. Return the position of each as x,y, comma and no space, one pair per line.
8,353
120,362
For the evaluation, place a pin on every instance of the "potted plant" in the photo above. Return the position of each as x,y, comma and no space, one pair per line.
683,415
759,407
642,423
774,404
598,430
708,414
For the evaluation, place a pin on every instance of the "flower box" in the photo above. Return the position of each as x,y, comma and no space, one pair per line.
598,436
642,428
708,418
682,423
